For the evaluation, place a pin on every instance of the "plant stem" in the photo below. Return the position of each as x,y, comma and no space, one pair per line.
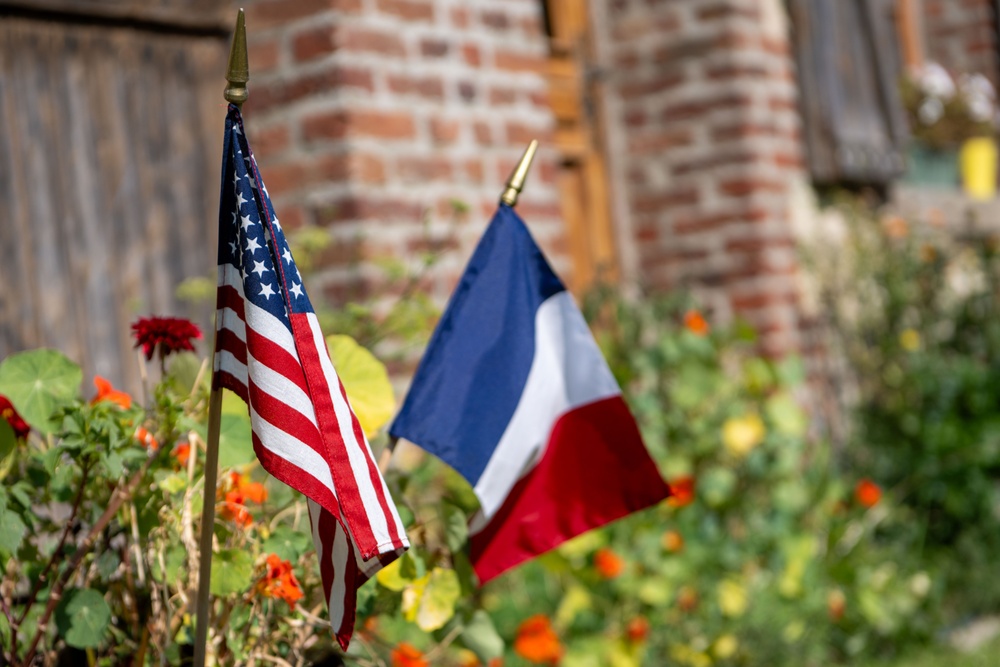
56,555
118,498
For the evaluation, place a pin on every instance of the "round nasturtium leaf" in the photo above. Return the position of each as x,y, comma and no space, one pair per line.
366,382
37,382
82,617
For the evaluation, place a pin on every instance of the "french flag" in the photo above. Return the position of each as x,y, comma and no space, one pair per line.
514,394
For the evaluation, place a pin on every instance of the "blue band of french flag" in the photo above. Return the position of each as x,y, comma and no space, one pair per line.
514,393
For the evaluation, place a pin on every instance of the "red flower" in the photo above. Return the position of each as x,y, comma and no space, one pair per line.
637,629
681,491
171,334
105,392
537,642
608,564
695,323
279,582
867,492
9,413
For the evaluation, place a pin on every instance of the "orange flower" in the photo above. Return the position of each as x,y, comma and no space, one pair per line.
279,582
537,642
895,227
695,323
146,438
673,541
682,491
105,392
637,629
182,453
240,490
867,492
407,655
608,564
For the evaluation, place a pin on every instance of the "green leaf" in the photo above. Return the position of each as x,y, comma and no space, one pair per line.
12,530
235,441
82,617
174,563
456,529
786,415
107,564
183,372
174,483
287,543
392,576
366,382
37,382
232,572
480,637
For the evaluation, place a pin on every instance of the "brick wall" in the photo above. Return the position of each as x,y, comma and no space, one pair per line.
961,35
369,116
706,95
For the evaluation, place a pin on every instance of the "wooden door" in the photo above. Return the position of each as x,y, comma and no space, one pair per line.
111,116
574,91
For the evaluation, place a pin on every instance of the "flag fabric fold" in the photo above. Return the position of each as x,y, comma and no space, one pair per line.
514,394
271,352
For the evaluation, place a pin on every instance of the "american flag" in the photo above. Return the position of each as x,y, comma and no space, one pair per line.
271,352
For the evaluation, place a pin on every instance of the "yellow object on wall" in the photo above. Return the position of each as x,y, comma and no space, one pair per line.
978,164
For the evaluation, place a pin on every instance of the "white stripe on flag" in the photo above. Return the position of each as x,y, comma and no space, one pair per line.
358,453
568,371
225,361
281,388
292,450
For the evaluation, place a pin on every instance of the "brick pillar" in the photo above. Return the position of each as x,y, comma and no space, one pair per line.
706,97
961,35
369,116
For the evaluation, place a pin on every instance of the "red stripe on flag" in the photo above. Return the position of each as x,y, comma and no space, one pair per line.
595,470
373,472
292,475
351,506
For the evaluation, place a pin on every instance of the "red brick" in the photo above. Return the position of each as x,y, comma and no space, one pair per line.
460,17
382,124
330,125
269,13
661,82
741,187
736,70
503,96
430,87
724,10
444,131
664,200
467,91
658,142
519,133
516,61
471,55
531,25
495,19
740,156
367,168
434,48
271,140
378,207
698,107
473,170
265,54
484,133
284,91
410,10
367,40
758,245
311,44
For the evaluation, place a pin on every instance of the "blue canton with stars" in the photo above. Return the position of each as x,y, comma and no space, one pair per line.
251,240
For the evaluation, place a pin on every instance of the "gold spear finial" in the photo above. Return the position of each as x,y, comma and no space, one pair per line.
517,177
238,72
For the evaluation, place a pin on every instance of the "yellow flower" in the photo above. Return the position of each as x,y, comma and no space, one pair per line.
742,434
733,598
725,647
910,340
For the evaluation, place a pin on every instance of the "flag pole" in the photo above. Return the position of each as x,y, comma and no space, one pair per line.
237,74
513,187
520,174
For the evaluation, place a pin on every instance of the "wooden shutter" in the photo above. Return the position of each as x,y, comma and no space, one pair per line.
574,91
848,68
